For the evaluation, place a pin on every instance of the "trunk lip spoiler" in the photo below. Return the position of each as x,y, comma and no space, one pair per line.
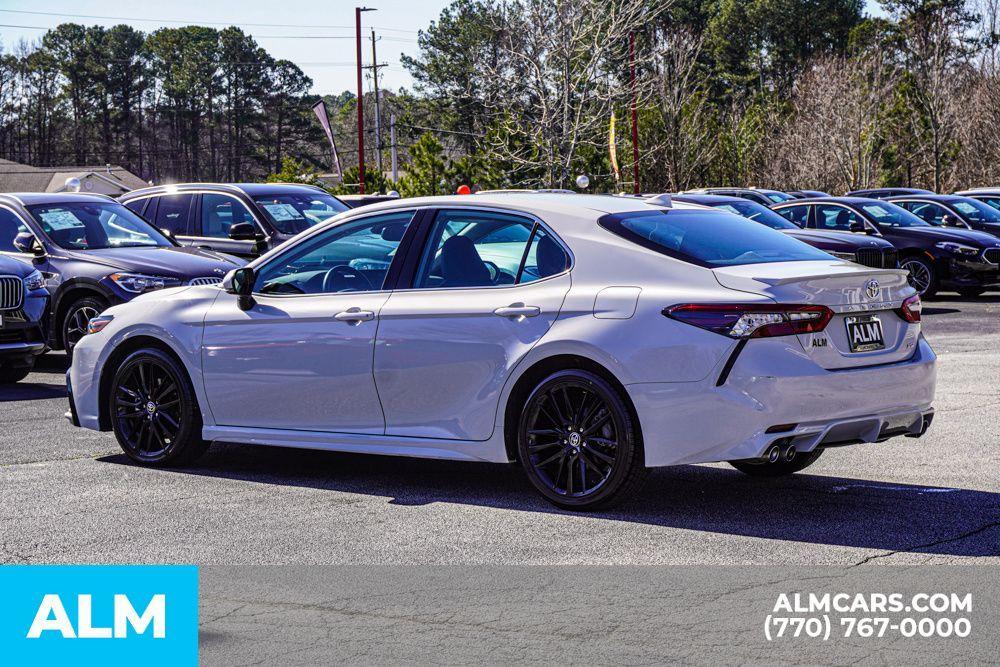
774,282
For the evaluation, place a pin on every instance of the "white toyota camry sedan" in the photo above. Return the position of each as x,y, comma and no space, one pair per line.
586,337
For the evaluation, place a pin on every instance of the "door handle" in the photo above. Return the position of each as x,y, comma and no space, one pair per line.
514,311
354,316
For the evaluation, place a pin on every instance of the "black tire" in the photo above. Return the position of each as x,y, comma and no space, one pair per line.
74,322
971,292
922,275
578,442
9,375
779,469
154,412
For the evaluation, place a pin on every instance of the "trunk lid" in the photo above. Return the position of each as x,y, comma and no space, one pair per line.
862,299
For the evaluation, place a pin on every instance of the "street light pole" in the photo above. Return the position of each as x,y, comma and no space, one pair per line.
361,109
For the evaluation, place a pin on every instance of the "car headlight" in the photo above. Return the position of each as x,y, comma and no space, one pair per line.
136,282
849,256
957,248
97,324
33,281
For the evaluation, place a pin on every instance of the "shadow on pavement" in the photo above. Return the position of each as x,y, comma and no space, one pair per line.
802,508
30,391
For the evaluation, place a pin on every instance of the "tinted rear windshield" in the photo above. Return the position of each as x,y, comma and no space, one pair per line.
709,238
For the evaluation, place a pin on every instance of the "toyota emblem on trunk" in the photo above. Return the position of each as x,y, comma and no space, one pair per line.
873,289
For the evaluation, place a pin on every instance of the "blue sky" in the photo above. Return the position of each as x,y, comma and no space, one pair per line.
318,35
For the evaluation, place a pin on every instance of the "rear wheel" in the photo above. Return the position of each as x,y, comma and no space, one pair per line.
779,468
578,442
154,412
9,375
922,276
76,319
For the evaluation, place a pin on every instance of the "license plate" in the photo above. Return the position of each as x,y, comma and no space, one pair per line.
864,333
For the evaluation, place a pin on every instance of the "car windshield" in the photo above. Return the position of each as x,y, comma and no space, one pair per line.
291,213
95,226
757,213
974,210
709,238
886,214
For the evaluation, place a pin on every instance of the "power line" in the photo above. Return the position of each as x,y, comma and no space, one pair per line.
190,21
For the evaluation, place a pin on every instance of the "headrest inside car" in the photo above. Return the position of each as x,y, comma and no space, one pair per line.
393,232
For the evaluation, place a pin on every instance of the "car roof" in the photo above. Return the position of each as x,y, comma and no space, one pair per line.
536,203
830,200
711,200
978,191
249,189
32,198
935,197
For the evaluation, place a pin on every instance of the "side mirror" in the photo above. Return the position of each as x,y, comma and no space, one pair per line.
858,227
25,242
240,282
242,231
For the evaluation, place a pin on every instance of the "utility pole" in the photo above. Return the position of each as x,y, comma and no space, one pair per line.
635,115
392,140
361,94
378,118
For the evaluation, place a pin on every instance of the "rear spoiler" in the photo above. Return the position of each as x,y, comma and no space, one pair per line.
859,274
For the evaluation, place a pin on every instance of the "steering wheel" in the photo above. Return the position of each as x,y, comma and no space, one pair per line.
494,270
343,278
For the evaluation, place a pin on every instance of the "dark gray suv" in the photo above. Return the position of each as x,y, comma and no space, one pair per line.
242,219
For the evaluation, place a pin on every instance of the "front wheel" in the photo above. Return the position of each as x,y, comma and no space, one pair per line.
76,319
154,412
922,276
779,468
578,442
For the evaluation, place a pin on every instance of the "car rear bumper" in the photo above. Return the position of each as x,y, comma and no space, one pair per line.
775,394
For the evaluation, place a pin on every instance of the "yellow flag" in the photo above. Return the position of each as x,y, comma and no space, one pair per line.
612,149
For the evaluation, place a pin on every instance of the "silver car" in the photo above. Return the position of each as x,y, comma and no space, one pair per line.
586,337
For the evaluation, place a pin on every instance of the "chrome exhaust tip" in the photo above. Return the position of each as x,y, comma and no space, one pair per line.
773,454
789,454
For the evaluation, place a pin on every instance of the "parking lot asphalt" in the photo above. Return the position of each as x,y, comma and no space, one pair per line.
69,495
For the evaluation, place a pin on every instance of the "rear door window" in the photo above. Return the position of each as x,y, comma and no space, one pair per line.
219,213
173,213
799,215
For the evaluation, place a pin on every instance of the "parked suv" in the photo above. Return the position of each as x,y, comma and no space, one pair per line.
760,195
885,193
23,303
243,219
952,211
964,260
867,250
93,252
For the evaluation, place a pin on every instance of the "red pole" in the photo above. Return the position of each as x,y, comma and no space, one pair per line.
635,115
361,110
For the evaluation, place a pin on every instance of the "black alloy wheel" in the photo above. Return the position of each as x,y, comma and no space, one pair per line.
578,442
921,276
153,410
77,317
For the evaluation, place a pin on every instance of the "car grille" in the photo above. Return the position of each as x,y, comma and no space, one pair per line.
11,292
877,258
992,255
205,280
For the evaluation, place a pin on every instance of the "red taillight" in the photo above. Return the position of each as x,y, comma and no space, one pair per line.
752,320
910,310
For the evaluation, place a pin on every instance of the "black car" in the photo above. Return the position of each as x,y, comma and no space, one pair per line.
93,253
885,193
989,196
357,201
807,194
867,250
23,307
964,260
759,195
952,211
242,219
